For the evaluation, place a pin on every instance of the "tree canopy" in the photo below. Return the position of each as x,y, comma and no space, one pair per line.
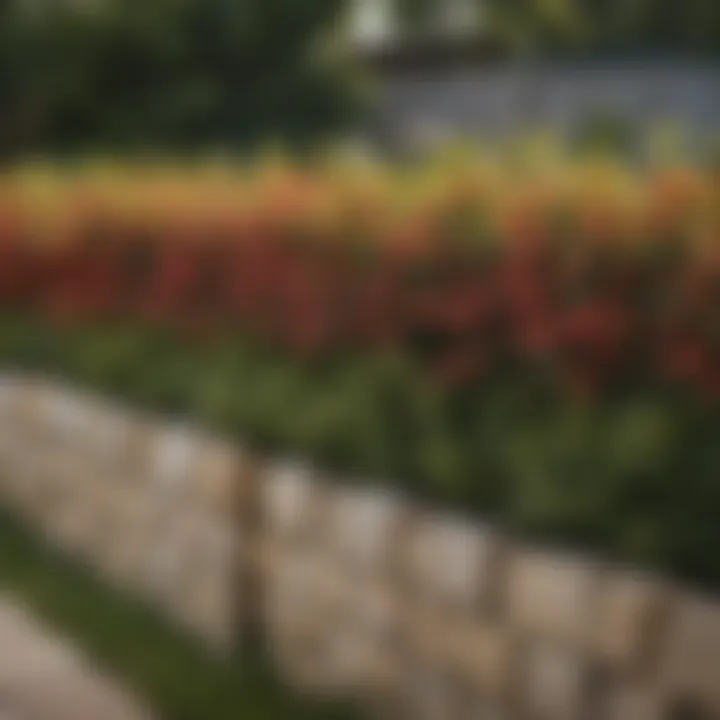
610,26
129,73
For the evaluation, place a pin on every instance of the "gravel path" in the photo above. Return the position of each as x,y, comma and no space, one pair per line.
43,677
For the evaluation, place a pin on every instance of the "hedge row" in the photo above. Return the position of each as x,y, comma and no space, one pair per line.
540,342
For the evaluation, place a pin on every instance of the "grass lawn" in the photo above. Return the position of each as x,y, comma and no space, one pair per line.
128,640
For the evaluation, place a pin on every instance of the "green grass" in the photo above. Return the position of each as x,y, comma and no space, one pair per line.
166,668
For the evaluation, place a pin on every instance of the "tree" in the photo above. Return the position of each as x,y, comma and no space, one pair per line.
609,26
132,73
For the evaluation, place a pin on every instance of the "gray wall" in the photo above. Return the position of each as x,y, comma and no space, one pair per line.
421,106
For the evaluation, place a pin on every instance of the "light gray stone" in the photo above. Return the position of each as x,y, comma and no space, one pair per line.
483,653
432,694
291,497
631,609
691,658
553,596
173,454
628,701
554,683
452,561
299,596
222,480
363,528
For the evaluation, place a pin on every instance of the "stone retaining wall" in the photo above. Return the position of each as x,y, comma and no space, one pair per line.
416,613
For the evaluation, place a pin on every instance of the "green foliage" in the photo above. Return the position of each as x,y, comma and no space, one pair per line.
416,15
608,133
634,476
609,26
168,73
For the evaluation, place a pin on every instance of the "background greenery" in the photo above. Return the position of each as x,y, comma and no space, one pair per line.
181,74
608,27
132,74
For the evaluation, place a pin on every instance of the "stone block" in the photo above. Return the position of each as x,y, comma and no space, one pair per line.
691,656
424,635
375,608
632,701
364,527
366,635
301,620
631,611
304,663
73,528
431,693
483,654
65,420
130,539
169,554
554,683
109,428
553,596
303,590
223,477
132,512
356,658
10,386
28,411
26,493
207,550
292,502
110,528
209,604
453,562
483,709
174,450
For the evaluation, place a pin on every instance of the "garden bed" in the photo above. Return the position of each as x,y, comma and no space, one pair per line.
536,342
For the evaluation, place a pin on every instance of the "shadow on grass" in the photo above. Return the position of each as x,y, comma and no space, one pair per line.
166,668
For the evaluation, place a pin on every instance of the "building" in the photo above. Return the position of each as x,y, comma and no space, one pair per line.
441,71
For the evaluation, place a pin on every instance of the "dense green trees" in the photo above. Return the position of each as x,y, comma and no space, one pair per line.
127,74
584,26
131,73
610,26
